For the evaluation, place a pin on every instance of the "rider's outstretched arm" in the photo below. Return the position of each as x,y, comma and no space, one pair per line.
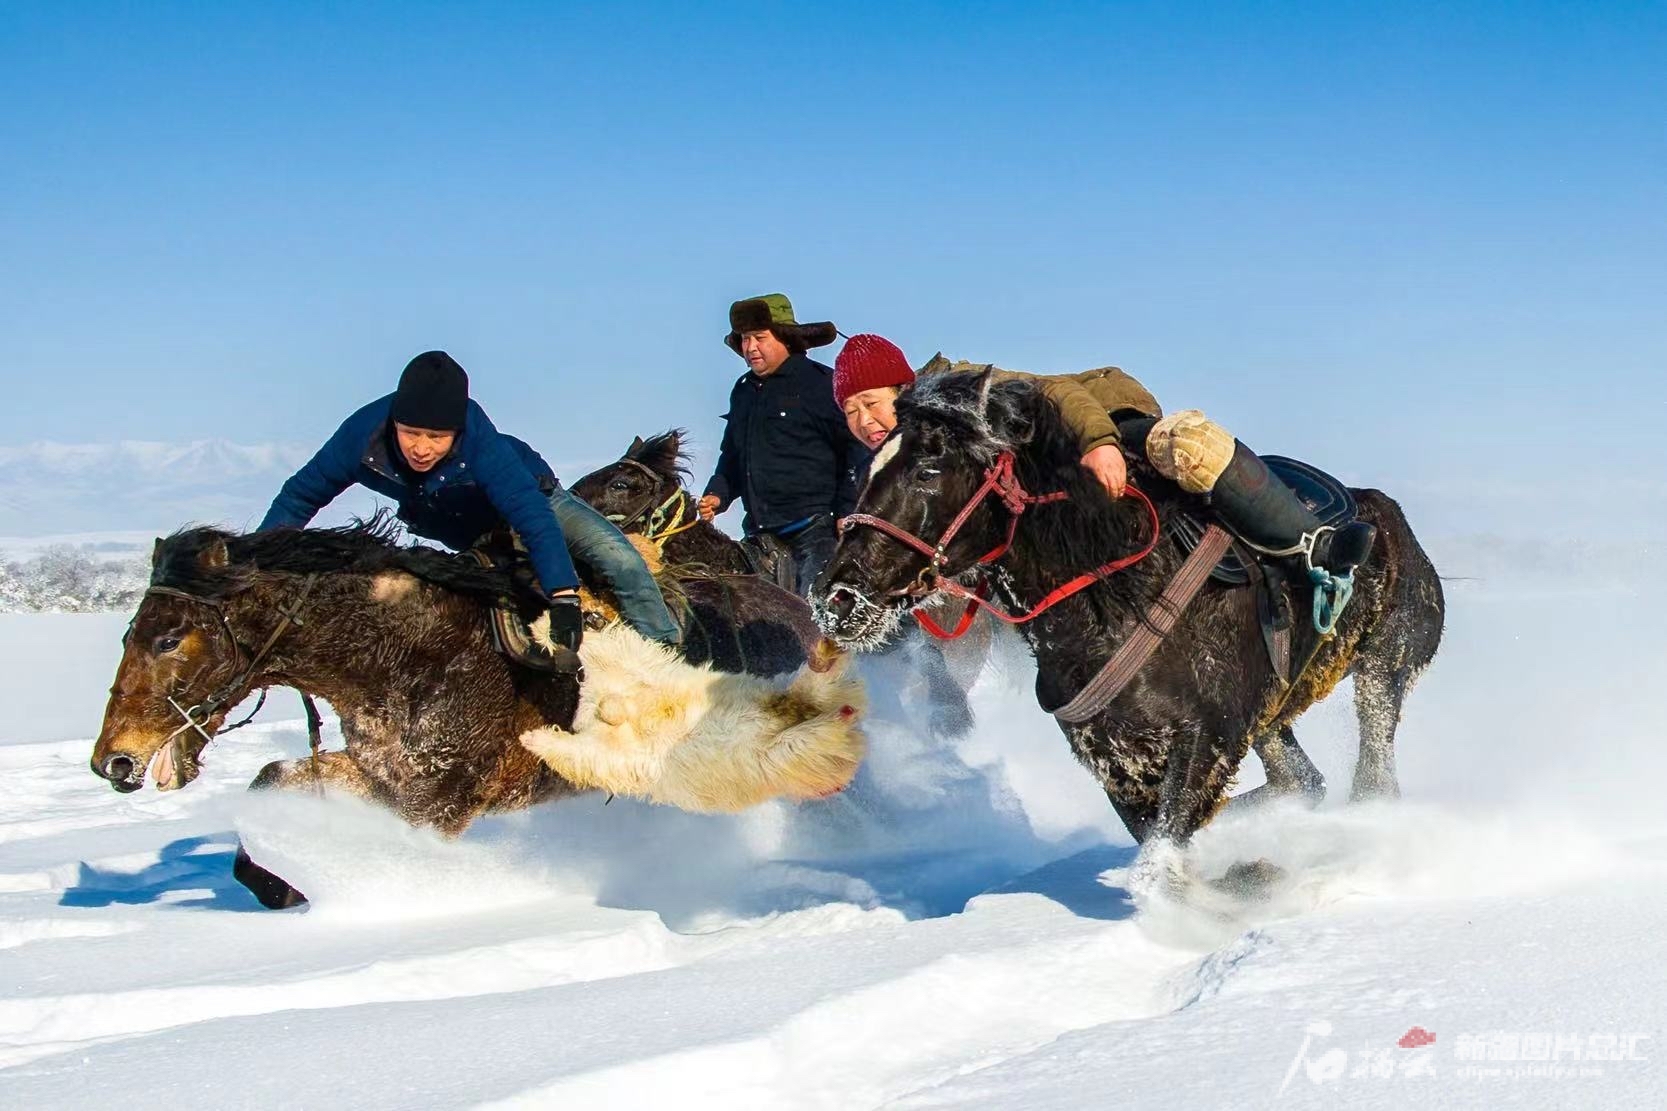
331,470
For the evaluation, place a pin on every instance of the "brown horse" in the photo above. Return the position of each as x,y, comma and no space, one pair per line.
1167,748
398,640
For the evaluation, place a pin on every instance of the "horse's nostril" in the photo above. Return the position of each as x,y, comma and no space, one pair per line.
843,601
117,767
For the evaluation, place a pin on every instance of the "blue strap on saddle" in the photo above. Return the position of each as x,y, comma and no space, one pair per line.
1331,598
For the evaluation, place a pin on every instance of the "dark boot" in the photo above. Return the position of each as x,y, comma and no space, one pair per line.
1268,514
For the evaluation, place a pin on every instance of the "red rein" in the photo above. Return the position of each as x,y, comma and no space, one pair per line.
1000,480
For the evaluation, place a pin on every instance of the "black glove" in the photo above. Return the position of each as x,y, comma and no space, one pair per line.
567,622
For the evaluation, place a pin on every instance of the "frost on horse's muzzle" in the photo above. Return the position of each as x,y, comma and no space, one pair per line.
855,620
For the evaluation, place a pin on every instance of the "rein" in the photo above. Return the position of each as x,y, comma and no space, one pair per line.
199,714
1001,481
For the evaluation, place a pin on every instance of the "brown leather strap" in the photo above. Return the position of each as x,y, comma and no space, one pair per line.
1161,617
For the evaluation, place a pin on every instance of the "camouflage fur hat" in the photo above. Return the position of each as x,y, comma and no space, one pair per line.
775,312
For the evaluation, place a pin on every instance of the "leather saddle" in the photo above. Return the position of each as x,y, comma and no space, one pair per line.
521,626
1331,501
771,557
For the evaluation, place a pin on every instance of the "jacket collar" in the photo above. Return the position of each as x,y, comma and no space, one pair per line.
790,367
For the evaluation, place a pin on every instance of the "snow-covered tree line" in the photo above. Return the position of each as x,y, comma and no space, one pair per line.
67,579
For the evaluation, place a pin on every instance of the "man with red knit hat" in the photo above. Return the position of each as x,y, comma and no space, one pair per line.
868,375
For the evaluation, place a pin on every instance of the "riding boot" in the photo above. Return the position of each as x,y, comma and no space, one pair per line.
1268,513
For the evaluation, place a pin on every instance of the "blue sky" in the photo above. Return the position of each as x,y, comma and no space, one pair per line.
1401,239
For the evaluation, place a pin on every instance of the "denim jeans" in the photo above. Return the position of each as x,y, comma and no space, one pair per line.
593,539
813,547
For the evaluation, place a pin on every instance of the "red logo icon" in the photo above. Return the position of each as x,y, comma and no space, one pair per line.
1416,1038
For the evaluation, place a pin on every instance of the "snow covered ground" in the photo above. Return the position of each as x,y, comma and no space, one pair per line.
955,931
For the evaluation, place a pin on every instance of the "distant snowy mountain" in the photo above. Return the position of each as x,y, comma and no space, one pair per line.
50,487
64,490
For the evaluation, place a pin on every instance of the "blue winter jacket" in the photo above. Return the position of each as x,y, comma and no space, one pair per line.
488,480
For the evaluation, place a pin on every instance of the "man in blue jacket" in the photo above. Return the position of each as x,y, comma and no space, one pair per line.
455,478
786,453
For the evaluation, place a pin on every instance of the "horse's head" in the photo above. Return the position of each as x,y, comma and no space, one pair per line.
628,490
952,429
178,650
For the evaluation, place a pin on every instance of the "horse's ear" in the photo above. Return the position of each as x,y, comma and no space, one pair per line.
986,380
215,556
1010,421
156,552
636,446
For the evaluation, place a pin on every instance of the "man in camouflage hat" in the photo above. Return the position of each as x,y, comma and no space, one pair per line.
785,453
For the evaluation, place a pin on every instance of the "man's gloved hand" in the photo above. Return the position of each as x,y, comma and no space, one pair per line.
567,621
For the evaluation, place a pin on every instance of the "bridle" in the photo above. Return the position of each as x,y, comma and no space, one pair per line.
1001,481
199,714
656,518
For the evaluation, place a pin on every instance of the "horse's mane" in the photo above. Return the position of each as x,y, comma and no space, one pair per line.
189,560
990,416
664,454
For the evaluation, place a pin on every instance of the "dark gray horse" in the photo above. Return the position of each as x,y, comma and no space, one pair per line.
1167,748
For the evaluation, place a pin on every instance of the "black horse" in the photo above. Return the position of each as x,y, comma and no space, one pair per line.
1167,748
642,492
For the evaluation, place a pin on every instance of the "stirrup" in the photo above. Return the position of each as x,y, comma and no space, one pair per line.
1305,547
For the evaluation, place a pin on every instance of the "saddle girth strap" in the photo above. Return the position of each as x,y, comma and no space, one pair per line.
1161,617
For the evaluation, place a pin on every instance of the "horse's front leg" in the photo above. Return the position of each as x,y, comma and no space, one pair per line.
327,771
332,770
1198,769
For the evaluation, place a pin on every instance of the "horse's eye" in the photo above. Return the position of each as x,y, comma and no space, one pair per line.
619,484
166,644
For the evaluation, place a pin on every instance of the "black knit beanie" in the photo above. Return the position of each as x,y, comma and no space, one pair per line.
433,393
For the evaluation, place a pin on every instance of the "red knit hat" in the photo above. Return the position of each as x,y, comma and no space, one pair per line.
868,362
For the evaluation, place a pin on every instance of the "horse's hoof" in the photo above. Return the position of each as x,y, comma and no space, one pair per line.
1250,879
273,892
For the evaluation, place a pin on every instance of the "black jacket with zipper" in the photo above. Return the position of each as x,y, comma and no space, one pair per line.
786,451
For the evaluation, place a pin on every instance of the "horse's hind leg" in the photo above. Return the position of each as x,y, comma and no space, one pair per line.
1289,770
1379,694
1393,654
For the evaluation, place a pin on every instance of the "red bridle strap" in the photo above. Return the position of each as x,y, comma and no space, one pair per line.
1000,479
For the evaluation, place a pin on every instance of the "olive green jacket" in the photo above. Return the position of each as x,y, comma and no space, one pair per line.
1087,401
